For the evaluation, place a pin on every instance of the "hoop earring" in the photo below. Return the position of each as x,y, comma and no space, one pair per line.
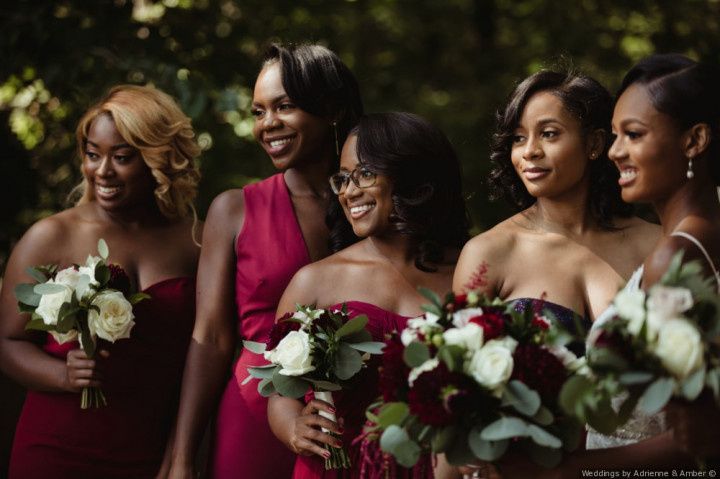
690,174
337,144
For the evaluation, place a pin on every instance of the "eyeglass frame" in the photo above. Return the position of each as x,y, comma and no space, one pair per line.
352,175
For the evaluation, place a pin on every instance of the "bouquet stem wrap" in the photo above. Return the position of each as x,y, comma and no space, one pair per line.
338,456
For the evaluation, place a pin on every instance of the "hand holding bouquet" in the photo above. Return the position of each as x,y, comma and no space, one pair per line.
314,349
660,343
82,302
470,378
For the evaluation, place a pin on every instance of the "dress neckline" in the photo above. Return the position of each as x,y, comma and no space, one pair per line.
291,206
545,301
166,280
365,304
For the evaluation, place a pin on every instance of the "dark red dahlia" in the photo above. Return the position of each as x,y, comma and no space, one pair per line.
393,371
540,370
439,397
324,322
119,279
280,329
492,322
460,301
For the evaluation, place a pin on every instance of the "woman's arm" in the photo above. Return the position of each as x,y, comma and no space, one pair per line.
476,266
21,357
213,340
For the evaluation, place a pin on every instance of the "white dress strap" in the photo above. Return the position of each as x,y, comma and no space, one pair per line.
697,243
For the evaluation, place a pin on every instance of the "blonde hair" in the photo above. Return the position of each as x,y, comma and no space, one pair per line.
150,121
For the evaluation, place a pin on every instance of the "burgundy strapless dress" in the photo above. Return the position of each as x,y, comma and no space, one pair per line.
351,402
127,438
269,249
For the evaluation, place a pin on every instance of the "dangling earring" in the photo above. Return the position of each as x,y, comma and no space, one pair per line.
337,144
690,174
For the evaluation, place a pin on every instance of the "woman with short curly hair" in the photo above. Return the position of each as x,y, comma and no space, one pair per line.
139,181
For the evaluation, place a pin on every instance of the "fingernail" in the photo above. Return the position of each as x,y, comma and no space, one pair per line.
326,454
332,410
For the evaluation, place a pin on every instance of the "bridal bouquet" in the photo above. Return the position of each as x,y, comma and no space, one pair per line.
470,378
660,343
314,349
82,302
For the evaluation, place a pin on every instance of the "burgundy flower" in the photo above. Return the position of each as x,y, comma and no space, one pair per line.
615,342
492,322
540,322
439,397
324,321
393,371
280,329
119,279
460,301
540,370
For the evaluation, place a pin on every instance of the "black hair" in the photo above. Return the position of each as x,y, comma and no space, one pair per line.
426,179
319,83
591,104
684,90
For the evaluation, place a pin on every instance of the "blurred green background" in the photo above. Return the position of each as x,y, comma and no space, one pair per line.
452,61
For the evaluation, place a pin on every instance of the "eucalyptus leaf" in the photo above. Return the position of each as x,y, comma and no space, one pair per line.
103,249
102,273
431,295
407,454
543,416
504,428
352,326
432,309
606,359
712,379
24,293
392,437
36,274
266,388
486,450
693,385
372,347
39,325
137,297
543,438
522,398
416,354
392,413
656,395
49,288
602,417
362,336
635,377
254,346
573,393
348,362
319,385
262,372
289,386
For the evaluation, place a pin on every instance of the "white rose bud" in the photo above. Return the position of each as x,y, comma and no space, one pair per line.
469,337
428,365
679,347
492,365
567,357
631,306
294,354
68,277
50,304
461,318
115,319
668,301
307,319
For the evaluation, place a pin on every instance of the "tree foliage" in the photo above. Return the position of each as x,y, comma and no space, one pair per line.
452,61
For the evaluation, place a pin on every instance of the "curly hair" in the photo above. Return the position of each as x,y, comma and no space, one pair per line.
589,102
150,121
426,179
318,81
686,91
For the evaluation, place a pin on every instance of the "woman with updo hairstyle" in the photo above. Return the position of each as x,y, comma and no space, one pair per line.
399,185
667,148
140,178
305,101
573,242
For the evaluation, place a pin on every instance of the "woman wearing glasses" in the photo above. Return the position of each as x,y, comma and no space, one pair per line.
399,185
255,239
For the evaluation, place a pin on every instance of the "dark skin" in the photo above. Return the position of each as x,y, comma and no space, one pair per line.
379,270
306,165
127,217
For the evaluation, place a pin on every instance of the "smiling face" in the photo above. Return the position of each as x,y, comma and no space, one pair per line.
288,134
548,150
648,149
367,209
114,170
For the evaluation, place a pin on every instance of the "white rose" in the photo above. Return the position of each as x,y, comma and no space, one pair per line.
294,354
492,365
115,319
431,318
68,277
428,365
469,337
307,319
461,318
679,347
50,304
630,305
668,301
408,335
88,269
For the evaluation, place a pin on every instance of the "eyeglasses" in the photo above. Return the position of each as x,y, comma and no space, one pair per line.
361,177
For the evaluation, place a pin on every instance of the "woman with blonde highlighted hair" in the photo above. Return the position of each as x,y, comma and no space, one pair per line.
139,181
